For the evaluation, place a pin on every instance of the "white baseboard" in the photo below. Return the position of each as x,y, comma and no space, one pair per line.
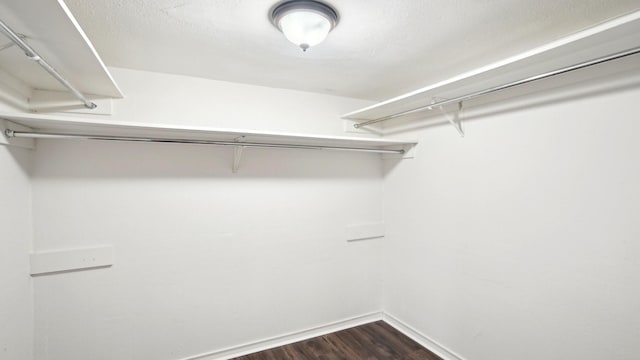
420,338
286,339
293,337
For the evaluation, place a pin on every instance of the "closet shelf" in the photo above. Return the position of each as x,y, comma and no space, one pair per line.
57,37
615,37
31,54
49,126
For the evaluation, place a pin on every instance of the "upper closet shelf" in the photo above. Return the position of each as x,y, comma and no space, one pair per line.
65,127
56,37
608,41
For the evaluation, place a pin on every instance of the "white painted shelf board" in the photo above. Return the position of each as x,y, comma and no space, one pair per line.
79,125
610,37
54,33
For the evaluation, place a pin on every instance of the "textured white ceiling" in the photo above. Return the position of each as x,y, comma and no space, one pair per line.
380,49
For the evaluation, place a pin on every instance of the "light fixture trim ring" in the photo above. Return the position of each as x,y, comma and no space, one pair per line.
320,8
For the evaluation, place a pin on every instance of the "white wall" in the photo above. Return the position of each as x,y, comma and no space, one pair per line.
16,295
163,98
520,240
516,242
205,259
16,234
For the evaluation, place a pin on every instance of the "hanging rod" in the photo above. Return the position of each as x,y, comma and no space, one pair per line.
33,55
462,98
44,135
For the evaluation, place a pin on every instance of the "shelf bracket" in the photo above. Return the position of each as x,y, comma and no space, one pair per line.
237,154
237,157
454,119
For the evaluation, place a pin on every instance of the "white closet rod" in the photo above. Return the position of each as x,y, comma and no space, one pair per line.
33,55
462,98
45,135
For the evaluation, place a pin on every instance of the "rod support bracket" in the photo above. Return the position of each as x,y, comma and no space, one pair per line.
237,153
455,119
237,157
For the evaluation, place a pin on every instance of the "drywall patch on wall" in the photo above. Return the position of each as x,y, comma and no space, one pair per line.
355,232
56,261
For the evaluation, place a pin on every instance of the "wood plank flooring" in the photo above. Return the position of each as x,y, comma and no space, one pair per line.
374,341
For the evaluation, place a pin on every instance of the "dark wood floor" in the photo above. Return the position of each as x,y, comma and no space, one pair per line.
374,341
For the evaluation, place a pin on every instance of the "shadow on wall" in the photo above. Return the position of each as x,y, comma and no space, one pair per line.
615,76
23,157
11,99
113,159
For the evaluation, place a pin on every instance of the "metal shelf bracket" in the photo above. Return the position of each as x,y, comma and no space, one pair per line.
237,157
454,119
237,154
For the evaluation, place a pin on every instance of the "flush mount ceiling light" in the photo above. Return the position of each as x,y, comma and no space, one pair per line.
304,22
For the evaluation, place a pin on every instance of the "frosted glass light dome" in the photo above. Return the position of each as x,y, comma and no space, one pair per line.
304,23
